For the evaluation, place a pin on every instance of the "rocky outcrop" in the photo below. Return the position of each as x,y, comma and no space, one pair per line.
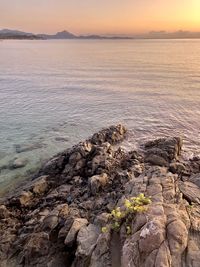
62,216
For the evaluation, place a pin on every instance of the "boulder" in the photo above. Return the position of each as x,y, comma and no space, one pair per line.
113,135
86,240
28,147
97,182
26,198
4,213
40,185
36,247
76,226
18,163
162,151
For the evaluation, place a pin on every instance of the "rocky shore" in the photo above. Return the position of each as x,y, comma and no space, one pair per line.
96,205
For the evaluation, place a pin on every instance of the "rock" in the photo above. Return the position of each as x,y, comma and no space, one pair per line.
101,254
50,222
162,151
37,246
40,185
190,191
156,160
151,236
177,235
97,182
61,139
65,229
86,239
28,147
56,219
76,226
4,213
113,135
18,163
25,198
195,179
177,167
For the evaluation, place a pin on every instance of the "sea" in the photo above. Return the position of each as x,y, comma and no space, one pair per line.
55,93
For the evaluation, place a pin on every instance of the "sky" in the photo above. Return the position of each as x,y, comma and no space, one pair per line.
100,16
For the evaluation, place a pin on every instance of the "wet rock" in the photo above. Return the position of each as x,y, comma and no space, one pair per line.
162,151
113,135
28,147
97,182
76,226
18,163
61,139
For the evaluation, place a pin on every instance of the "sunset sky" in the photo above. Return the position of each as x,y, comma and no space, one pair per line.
100,16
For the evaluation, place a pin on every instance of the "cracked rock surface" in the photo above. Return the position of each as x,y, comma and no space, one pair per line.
55,220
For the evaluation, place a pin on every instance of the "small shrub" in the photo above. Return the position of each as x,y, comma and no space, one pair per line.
125,214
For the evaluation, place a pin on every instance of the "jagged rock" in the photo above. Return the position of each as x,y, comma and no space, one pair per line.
86,239
4,213
190,191
56,220
162,151
97,182
36,247
40,185
156,160
76,226
25,198
113,135
177,167
195,179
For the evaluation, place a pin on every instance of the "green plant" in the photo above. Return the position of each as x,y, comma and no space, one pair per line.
125,214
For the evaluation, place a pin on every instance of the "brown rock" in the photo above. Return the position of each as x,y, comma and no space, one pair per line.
76,226
40,185
97,182
25,198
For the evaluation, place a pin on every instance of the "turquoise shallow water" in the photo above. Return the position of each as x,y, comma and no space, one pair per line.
56,93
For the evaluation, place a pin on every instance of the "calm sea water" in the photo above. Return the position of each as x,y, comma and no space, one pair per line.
55,93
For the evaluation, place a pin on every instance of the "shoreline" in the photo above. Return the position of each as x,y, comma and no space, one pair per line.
56,218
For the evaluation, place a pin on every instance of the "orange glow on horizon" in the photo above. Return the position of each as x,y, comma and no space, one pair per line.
101,17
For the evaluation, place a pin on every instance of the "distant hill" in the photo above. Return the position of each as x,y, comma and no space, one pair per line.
15,34
59,35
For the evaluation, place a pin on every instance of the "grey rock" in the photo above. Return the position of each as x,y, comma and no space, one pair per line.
18,163
76,226
28,147
97,182
86,240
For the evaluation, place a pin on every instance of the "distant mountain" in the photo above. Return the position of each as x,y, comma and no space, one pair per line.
15,34
59,35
